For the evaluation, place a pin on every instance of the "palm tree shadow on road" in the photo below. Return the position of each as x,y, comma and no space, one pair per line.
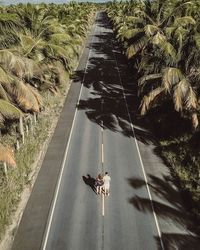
106,102
168,207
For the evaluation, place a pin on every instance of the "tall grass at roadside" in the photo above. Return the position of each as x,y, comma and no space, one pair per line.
13,185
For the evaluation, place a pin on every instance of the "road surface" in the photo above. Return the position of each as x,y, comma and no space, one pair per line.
81,219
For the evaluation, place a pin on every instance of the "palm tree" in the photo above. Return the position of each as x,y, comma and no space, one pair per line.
174,70
13,88
44,54
46,38
161,36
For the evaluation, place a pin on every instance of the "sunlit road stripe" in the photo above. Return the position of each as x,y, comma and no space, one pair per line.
140,158
102,154
47,231
103,206
102,161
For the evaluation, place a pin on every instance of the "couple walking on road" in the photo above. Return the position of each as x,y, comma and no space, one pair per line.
102,183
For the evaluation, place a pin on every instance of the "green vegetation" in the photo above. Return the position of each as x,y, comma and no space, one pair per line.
39,49
162,42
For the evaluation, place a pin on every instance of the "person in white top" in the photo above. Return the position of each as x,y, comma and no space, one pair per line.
106,180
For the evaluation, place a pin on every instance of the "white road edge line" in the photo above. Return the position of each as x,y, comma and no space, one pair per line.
140,158
102,154
103,206
45,239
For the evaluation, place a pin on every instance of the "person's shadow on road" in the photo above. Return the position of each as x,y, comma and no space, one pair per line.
90,181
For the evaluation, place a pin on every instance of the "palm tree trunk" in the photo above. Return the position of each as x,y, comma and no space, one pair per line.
31,123
35,117
195,121
21,128
27,130
5,169
17,144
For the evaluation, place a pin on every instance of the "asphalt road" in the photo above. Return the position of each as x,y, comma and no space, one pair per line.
67,214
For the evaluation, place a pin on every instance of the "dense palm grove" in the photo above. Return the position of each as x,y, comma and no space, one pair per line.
39,48
161,40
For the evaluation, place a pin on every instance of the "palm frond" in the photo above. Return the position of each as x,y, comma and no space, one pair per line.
29,43
2,119
169,31
121,29
184,21
3,94
178,96
62,74
9,111
27,40
195,120
142,13
20,66
151,30
169,50
158,39
36,94
58,38
9,39
25,97
180,35
133,49
117,19
130,33
143,81
7,155
61,52
6,58
149,99
184,96
9,22
161,41
6,80
12,62
38,56
171,76
31,68
133,19
191,99
5,77
197,40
